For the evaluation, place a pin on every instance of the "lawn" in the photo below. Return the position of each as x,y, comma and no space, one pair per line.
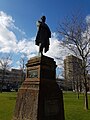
7,104
74,108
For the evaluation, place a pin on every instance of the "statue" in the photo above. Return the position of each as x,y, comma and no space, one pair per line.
43,35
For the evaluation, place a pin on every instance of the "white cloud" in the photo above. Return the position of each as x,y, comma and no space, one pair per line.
5,20
57,50
88,19
8,39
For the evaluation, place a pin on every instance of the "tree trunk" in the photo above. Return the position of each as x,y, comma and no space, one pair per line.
1,87
85,85
86,98
3,73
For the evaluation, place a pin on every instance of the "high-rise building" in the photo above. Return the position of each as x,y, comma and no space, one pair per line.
73,72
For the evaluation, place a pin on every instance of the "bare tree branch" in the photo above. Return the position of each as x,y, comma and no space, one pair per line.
76,36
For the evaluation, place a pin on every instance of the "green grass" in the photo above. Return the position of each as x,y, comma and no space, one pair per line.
74,108
7,104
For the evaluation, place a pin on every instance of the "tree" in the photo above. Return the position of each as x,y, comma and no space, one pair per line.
5,64
75,32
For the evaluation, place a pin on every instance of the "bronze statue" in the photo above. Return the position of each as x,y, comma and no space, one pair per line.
43,35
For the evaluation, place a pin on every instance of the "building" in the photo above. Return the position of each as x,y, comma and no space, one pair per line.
73,72
11,79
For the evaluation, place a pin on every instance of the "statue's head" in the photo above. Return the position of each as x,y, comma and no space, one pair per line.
43,18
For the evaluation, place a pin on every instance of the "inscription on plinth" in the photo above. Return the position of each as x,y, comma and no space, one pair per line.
33,73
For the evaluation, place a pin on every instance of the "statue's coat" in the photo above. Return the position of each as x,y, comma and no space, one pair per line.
43,36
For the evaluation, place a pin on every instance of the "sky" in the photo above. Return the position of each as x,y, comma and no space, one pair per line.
18,26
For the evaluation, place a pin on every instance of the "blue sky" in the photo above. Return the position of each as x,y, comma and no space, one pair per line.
18,25
26,12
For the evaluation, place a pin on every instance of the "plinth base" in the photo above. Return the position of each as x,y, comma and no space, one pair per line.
39,98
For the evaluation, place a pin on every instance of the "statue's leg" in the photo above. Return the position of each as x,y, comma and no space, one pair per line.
46,48
40,48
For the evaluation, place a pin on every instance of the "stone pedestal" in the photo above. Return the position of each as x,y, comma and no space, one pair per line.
39,97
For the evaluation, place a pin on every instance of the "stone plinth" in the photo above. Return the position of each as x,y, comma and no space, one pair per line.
39,97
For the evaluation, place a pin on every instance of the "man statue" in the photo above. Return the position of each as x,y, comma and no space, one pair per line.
43,35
